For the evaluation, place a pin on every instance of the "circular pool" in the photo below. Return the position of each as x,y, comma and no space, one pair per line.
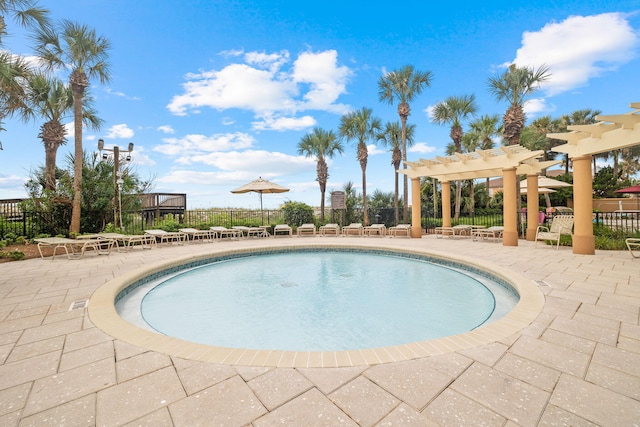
320,300
103,313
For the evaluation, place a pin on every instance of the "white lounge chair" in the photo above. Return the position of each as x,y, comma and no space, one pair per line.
353,229
560,225
282,230
163,236
375,230
224,232
306,230
633,244
194,234
74,248
400,230
329,229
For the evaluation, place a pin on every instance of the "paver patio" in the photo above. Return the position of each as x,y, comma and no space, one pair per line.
577,363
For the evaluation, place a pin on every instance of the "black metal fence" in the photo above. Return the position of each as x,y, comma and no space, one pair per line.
16,222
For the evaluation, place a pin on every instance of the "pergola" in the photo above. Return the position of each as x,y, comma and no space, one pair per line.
612,132
506,161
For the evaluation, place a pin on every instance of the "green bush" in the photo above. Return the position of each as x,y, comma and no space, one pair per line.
297,213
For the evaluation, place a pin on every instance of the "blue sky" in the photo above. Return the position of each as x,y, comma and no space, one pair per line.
216,93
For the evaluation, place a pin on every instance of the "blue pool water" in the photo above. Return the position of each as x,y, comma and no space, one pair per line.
316,301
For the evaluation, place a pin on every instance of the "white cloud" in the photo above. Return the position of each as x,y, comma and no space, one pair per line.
166,129
284,123
121,131
421,148
578,49
197,144
373,150
265,86
534,106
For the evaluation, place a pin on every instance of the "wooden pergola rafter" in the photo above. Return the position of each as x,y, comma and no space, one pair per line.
612,132
506,161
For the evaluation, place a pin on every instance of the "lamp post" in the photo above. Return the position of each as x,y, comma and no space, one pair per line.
118,181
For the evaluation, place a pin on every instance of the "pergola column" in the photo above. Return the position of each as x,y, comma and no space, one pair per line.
584,242
416,225
532,214
509,208
446,204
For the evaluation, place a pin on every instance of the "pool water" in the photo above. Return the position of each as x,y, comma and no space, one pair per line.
316,301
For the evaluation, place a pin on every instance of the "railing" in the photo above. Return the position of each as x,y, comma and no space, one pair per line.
31,224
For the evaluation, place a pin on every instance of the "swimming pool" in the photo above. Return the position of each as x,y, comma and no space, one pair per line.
321,300
103,314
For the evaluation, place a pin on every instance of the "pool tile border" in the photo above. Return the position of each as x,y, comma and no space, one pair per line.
103,314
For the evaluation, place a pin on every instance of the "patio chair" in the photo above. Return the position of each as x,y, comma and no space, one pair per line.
329,229
306,230
560,225
282,230
375,230
194,234
353,229
493,233
167,236
224,232
75,248
400,230
633,244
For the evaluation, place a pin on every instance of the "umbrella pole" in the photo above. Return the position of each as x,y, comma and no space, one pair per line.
261,211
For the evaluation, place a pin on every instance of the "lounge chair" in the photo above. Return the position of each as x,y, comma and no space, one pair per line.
400,230
633,244
306,230
167,236
329,229
490,233
224,232
282,230
560,224
194,234
75,248
124,242
353,229
375,230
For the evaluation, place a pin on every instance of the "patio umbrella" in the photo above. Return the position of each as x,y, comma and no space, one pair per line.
635,189
544,182
260,186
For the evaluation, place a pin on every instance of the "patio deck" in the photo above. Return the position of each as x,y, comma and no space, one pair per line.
578,363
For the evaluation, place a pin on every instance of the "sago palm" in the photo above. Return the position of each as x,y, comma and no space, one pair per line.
361,126
322,145
403,86
79,48
515,85
391,136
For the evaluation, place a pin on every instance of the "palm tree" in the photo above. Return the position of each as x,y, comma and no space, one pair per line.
514,86
403,85
391,137
361,126
53,100
585,116
485,128
14,70
79,48
452,111
322,144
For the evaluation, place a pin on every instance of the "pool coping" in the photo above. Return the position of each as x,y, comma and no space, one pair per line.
103,314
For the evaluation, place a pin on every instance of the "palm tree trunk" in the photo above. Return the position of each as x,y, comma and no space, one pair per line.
78,93
405,191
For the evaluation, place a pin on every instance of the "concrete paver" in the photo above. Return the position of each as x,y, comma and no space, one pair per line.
575,364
